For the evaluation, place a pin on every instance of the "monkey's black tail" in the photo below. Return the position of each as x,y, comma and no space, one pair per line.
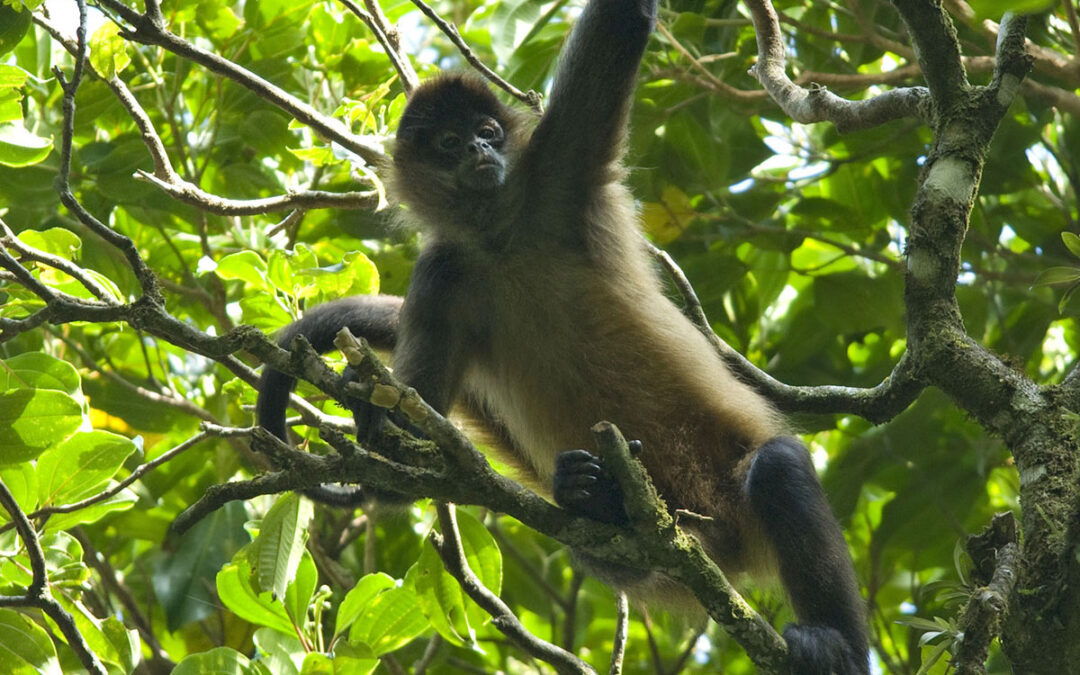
372,317
815,565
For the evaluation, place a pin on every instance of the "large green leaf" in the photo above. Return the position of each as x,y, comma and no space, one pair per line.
25,647
389,621
80,466
236,588
183,575
451,612
19,147
31,420
217,661
280,544
38,370
359,597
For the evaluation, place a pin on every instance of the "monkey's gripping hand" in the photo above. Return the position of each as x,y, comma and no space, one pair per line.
583,486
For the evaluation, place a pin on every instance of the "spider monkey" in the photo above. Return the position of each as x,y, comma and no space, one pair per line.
534,301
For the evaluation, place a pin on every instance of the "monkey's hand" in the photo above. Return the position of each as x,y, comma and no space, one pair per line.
583,486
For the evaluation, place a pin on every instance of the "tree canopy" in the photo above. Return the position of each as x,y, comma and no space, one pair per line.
872,205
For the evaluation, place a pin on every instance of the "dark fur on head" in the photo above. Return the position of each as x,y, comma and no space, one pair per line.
425,181
447,94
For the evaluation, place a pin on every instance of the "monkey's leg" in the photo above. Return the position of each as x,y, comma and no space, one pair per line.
815,566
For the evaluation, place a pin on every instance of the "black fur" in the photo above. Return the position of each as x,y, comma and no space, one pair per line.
583,486
787,497
374,317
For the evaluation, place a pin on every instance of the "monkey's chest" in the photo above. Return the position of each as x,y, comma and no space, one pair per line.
559,360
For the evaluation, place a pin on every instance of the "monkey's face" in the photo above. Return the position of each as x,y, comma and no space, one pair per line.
473,151
455,144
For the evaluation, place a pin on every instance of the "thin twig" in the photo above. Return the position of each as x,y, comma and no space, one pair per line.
37,595
622,627
532,98
448,544
387,35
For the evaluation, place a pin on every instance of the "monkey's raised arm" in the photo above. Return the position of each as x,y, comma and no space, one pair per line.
584,126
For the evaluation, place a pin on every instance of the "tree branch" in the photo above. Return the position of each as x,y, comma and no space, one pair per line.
145,30
817,104
936,49
997,559
387,35
531,98
876,404
37,595
448,545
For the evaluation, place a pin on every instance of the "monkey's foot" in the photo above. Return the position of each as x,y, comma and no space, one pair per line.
816,650
583,486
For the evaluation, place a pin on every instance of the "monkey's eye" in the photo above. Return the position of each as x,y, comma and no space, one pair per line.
449,142
486,133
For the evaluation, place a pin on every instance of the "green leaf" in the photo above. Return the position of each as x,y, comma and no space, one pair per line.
285,653
440,597
183,576
106,637
453,614
391,620
11,77
121,501
348,660
80,466
19,147
217,661
301,589
108,50
359,597
1072,242
246,266
55,240
21,481
933,657
1057,275
14,23
280,543
481,551
994,9
31,420
25,647
219,20
236,590
38,370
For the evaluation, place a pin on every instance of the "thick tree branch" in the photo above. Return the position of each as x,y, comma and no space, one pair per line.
936,49
817,104
996,557
459,473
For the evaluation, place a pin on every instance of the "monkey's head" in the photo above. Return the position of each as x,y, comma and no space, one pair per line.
456,141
